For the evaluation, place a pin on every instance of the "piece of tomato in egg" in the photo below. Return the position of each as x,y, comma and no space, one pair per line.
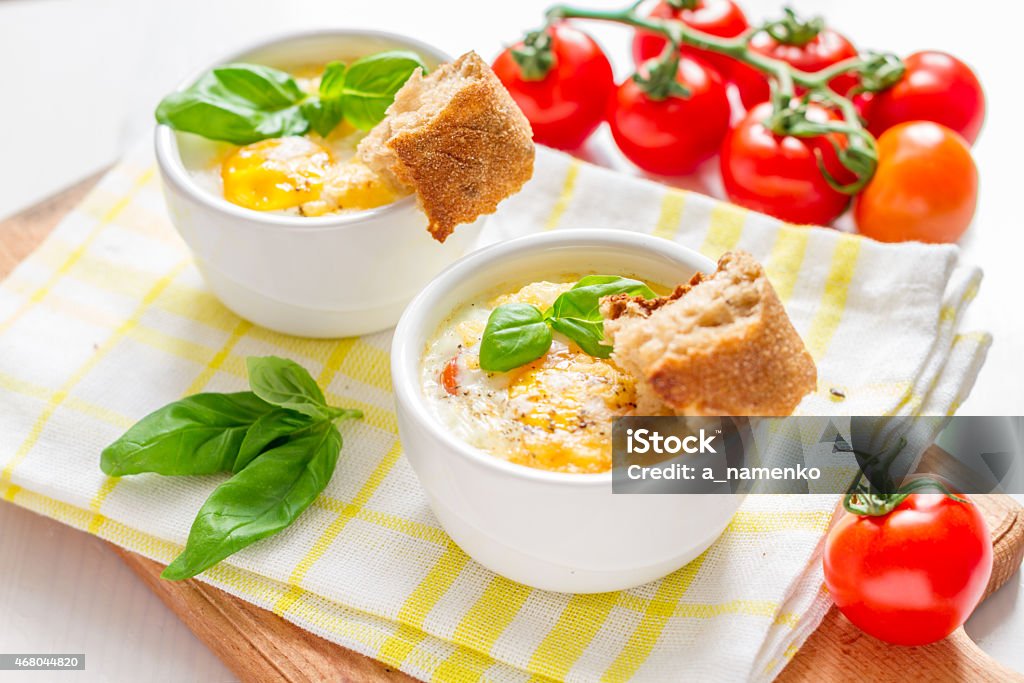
275,174
450,376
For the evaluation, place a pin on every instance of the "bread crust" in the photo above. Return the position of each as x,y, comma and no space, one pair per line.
720,345
462,159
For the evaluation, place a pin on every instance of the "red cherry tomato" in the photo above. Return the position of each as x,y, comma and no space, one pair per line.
722,18
450,376
913,576
935,87
672,136
568,104
751,84
779,175
925,187
828,47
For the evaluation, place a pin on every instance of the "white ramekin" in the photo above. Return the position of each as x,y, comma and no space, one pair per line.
328,276
551,530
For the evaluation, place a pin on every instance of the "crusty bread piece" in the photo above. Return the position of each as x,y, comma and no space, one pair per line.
719,345
457,139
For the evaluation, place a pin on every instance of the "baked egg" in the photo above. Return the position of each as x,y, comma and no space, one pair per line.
554,413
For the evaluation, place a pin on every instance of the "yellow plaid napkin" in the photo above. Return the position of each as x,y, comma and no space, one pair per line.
109,320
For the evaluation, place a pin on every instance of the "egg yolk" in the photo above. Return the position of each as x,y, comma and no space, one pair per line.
351,185
275,174
569,400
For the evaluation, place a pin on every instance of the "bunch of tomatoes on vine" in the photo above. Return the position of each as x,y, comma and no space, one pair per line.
825,124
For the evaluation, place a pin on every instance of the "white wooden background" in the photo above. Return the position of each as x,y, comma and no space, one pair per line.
78,83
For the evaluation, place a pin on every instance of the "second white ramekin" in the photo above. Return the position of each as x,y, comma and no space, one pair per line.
329,276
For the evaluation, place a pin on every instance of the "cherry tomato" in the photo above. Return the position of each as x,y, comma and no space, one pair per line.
722,18
568,104
673,135
450,376
913,576
779,175
826,48
935,87
925,187
751,84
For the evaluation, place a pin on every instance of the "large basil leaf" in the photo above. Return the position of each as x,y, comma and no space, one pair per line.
200,434
577,312
265,497
237,103
515,335
371,83
287,384
261,86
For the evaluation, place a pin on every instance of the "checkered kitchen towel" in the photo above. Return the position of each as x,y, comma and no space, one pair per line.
109,320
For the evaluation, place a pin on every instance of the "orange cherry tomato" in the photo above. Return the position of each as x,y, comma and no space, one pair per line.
925,188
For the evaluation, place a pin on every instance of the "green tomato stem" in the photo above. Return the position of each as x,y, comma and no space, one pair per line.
791,30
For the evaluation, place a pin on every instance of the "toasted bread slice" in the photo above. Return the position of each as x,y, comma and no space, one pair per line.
719,345
457,139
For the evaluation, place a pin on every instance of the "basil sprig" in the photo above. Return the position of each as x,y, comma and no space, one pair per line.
244,103
517,333
279,440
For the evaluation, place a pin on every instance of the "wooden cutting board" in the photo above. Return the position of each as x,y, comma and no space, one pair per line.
260,646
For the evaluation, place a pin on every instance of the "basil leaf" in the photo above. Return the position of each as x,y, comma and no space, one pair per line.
588,335
238,103
332,82
260,86
259,501
584,299
265,432
515,335
273,427
577,312
200,434
371,83
287,384
325,112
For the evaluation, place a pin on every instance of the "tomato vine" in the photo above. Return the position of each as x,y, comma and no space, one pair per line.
875,72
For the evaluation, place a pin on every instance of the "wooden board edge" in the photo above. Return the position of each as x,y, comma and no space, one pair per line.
252,641
23,231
